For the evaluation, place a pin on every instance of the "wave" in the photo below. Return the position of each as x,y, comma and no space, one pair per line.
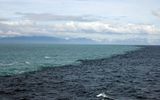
7,64
27,62
47,57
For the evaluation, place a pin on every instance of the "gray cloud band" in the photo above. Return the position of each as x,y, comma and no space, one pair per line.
52,17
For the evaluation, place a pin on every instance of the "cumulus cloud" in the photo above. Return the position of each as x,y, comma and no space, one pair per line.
105,28
98,31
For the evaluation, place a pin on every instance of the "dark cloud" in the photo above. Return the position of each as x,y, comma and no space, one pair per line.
53,17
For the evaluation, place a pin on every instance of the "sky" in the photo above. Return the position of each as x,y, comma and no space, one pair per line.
102,21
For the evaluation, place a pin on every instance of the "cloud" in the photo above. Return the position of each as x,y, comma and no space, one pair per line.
3,19
102,27
156,13
9,34
103,32
53,17
18,23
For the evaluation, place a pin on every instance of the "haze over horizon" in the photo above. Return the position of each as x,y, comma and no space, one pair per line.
97,21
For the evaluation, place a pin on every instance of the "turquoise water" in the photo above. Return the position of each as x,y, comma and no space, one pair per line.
20,58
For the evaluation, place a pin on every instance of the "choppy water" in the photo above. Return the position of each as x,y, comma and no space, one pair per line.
19,58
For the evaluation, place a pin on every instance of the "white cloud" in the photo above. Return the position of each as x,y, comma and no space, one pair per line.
101,27
97,31
9,34
18,23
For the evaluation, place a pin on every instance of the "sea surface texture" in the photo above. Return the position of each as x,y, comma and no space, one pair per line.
134,75
20,58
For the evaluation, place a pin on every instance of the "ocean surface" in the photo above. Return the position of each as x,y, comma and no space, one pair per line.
20,58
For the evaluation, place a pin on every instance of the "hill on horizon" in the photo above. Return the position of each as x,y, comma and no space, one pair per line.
45,39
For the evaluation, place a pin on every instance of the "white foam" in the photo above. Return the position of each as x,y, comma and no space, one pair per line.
26,62
47,57
104,96
9,64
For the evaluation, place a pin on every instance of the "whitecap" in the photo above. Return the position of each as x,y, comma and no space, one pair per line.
26,62
47,57
104,96
9,64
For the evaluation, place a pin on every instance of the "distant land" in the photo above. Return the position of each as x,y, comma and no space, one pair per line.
58,40
45,39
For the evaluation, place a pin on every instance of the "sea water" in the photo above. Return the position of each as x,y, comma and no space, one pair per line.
20,58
